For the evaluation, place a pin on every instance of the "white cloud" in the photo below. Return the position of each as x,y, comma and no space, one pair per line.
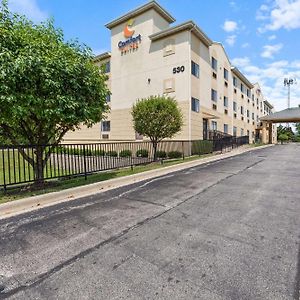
230,40
270,50
281,14
245,45
270,77
28,8
240,62
229,26
272,37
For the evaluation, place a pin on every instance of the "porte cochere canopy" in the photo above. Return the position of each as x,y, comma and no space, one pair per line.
289,115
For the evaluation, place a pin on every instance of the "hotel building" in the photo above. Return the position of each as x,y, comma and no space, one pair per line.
150,56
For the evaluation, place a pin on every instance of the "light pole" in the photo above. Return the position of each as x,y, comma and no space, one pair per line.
288,82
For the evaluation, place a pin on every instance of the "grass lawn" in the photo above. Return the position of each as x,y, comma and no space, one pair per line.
61,184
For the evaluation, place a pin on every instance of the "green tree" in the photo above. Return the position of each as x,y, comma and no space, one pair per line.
283,137
157,118
297,125
47,86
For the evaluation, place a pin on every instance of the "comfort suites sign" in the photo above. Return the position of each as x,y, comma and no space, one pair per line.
132,42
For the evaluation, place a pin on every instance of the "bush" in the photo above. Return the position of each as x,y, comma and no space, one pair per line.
283,137
125,153
99,152
174,154
142,153
202,147
161,154
112,153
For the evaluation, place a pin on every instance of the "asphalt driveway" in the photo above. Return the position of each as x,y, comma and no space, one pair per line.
225,230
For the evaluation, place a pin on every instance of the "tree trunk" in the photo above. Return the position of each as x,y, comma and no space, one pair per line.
39,166
154,143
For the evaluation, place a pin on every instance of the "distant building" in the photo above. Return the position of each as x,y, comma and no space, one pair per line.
150,57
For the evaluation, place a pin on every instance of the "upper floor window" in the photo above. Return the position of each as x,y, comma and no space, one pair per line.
195,69
235,81
242,88
195,105
225,101
234,106
242,110
248,113
214,95
106,67
248,93
225,74
214,63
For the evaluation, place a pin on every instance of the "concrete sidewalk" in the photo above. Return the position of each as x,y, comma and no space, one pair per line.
16,207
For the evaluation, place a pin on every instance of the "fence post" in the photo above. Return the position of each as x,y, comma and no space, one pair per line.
3,164
182,148
84,162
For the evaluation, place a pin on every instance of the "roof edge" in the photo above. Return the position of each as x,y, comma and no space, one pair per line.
238,73
149,5
102,56
188,25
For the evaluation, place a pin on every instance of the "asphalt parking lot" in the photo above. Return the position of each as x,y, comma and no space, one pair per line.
225,230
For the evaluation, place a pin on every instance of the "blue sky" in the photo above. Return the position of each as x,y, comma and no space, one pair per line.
262,38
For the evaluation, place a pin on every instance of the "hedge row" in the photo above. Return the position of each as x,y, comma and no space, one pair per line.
123,153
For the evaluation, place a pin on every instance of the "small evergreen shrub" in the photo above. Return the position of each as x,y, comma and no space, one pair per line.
174,154
142,153
112,153
161,154
125,153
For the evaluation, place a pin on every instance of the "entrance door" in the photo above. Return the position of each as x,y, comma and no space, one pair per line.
205,129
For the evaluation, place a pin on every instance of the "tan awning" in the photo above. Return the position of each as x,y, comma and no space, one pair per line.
290,115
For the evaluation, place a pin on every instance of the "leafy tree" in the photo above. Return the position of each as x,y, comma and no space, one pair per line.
47,86
283,137
157,118
297,125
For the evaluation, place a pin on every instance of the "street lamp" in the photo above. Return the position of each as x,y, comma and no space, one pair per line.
288,82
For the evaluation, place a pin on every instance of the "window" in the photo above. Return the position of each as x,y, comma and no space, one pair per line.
225,74
234,106
248,113
242,110
248,93
252,97
106,67
195,104
235,81
214,63
108,98
105,126
242,88
195,69
225,101
214,125
248,132
242,131
225,128
253,116
234,131
214,95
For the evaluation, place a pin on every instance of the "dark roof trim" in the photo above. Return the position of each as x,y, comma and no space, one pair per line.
102,56
239,74
150,5
189,25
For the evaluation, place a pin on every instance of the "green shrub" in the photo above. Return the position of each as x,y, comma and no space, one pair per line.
174,154
161,154
112,153
202,147
99,152
125,153
142,153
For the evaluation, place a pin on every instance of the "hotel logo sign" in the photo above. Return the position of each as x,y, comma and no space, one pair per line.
132,42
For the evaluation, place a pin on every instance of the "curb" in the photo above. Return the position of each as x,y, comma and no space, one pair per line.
17,207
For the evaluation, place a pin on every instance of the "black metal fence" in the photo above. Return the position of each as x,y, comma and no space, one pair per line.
20,164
